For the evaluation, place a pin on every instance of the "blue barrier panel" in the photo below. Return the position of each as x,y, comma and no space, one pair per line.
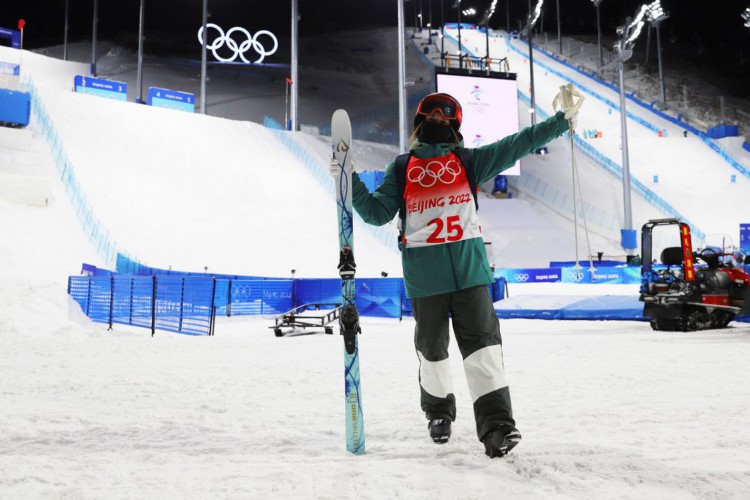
746,146
133,301
100,87
597,263
464,26
378,297
15,107
631,275
317,291
545,275
172,99
184,304
13,35
258,296
723,131
93,294
7,68
745,238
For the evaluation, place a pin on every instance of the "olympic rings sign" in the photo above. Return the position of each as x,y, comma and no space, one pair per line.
576,276
521,277
433,172
239,50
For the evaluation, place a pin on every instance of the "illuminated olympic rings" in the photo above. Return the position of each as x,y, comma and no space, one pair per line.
429,175
239,50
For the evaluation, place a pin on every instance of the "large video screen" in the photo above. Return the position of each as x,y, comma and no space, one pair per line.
490,106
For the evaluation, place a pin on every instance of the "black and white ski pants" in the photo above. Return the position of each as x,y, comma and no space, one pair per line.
477,332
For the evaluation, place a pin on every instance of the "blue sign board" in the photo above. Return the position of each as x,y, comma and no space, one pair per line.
13,35
172,99
7,68
745,238
550,275
100,87
15,107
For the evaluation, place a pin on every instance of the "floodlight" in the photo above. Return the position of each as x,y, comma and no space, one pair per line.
537,13
635,27
746,16
656,12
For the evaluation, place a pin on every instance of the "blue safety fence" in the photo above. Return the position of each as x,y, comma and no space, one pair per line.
245,296
108,297
181,304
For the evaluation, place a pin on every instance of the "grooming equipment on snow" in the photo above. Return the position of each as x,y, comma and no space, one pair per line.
690,290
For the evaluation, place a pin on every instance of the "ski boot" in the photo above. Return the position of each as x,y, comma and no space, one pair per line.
499,441
440,430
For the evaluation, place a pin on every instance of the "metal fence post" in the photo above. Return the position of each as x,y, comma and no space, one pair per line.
182,304
153,306
111,298
212,318
88,296
229,297
130,317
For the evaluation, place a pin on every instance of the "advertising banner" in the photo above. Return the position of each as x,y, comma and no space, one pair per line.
100,87
172,99
490,107
546,275
13,35
745,238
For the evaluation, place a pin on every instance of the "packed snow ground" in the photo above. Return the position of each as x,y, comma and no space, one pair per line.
607,410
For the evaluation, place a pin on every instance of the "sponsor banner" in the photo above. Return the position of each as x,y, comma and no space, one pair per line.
13,35
568,274
172,99
745,238
547,275
100,87
604,275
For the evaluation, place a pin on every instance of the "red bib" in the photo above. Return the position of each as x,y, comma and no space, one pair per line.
439,205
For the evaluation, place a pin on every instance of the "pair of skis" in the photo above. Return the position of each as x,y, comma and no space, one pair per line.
341,139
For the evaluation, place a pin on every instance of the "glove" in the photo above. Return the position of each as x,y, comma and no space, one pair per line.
565,102
334,168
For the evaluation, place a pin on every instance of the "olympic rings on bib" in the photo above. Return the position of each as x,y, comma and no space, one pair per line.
239,50
433,172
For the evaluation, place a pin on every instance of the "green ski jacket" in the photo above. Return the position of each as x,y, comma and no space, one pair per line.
449,267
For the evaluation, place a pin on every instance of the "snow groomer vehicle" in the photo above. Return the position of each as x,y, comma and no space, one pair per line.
686,290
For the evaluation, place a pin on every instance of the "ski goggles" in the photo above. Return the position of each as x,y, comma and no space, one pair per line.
445,105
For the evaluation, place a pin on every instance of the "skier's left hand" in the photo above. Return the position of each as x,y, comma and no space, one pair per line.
566,101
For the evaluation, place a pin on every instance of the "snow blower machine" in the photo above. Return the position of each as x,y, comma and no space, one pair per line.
689,290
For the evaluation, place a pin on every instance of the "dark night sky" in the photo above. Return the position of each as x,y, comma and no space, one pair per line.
714,26
45,18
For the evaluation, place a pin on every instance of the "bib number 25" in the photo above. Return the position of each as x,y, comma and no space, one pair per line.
448,229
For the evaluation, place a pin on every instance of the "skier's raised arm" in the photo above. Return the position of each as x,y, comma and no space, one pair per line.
494,158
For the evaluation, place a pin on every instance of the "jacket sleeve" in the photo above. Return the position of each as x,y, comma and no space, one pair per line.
380,207
494,158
